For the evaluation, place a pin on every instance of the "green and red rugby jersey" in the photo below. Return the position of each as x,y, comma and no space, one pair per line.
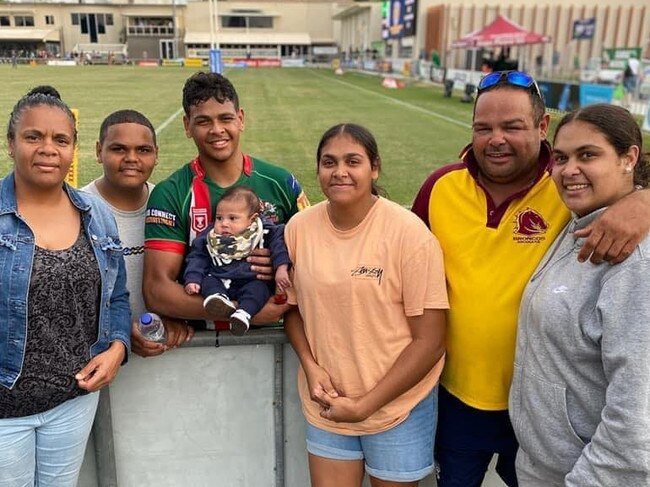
179,208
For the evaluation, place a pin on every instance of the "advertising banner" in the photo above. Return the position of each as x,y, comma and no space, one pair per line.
246,62
616,57
172,62
559,95
293,63
584,28
193,62
325,50
399,18
590,94
61,62
437,75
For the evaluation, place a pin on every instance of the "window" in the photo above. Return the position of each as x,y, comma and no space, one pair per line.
109,19
49,19
260,22
101,26
4,21
24,21
233,21
74,18
246,21
83,21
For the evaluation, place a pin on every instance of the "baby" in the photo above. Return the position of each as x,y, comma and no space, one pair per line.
216,264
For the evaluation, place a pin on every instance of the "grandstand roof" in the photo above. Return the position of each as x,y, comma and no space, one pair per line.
27,34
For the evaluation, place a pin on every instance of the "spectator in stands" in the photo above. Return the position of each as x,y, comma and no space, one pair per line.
630,78
369,326
63,301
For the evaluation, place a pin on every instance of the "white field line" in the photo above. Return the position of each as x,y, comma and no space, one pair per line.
396,101
164,125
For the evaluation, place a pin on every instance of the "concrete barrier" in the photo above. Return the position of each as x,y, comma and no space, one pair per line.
202,415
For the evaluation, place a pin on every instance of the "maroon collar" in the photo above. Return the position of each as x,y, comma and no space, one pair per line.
495,214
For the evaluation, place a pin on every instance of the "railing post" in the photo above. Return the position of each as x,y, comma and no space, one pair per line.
278,413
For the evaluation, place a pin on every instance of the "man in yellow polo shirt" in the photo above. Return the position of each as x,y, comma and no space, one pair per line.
495,213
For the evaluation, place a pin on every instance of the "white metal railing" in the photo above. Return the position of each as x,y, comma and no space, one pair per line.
101,48
150,30
204,52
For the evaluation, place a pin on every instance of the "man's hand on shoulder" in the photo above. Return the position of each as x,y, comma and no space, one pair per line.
613,235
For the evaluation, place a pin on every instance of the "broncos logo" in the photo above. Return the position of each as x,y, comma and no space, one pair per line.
528,222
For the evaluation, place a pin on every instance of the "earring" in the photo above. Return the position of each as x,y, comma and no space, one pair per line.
628,169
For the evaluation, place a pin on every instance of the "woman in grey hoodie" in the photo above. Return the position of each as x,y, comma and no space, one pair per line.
580,397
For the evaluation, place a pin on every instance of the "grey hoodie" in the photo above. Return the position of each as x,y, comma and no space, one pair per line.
580,397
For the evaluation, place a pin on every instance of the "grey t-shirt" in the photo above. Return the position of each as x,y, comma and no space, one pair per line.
130,225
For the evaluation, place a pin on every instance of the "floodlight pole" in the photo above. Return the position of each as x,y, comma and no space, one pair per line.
175,41
214,24
211,11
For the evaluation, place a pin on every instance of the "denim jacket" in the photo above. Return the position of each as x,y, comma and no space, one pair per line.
16,256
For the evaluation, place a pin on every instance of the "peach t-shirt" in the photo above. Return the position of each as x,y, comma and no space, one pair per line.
355,289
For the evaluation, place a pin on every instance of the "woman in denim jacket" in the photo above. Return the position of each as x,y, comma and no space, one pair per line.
64,309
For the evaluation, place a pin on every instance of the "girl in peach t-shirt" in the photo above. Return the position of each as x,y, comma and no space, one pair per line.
369,325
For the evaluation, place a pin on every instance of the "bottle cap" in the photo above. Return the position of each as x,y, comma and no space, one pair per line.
146,318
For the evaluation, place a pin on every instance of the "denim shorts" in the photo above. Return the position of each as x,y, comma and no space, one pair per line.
403,453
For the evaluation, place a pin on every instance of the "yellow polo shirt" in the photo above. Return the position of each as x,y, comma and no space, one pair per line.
490,253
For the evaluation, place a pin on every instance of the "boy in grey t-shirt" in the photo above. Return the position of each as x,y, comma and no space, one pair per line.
128,152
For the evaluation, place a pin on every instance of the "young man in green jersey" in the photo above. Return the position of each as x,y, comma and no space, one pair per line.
183,205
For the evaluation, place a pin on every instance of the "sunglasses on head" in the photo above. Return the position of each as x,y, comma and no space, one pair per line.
513,78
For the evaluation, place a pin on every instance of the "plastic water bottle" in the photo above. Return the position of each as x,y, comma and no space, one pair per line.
152,328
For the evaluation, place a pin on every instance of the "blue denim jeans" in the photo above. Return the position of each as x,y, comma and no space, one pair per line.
46,449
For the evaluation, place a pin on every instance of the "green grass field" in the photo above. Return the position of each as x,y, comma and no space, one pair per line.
287,110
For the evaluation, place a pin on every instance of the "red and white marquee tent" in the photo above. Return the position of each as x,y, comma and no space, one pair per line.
500,33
